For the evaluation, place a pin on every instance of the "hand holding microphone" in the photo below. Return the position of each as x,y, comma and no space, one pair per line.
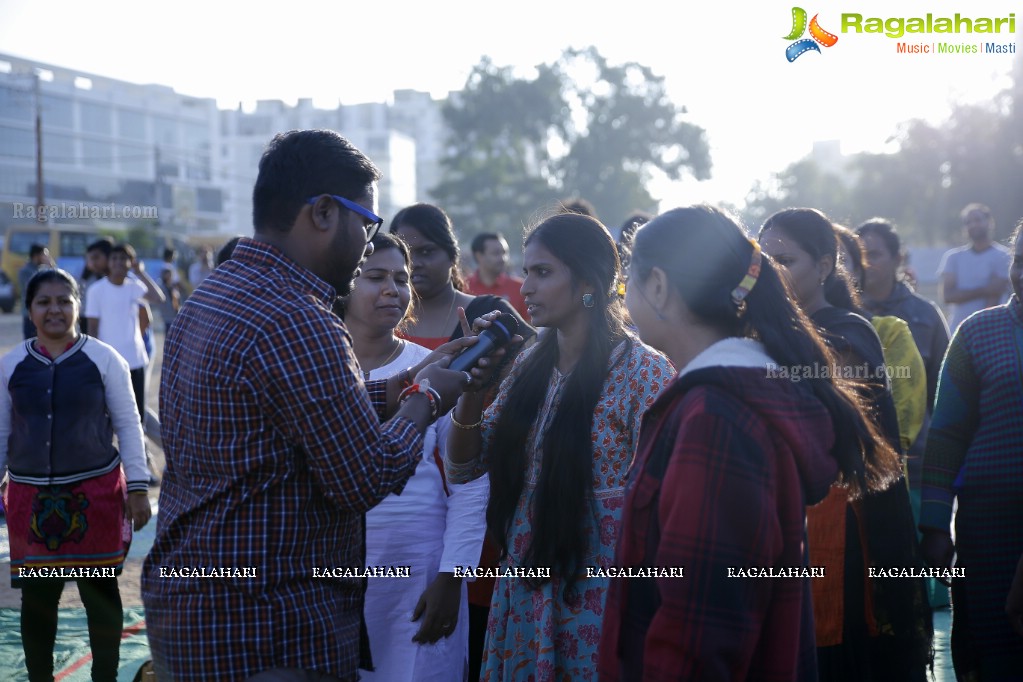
465,367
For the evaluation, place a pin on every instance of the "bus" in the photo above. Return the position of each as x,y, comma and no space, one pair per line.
67,245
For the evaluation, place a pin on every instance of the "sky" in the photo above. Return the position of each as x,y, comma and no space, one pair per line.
724,61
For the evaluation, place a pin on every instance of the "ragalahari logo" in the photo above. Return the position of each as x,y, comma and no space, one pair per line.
817,35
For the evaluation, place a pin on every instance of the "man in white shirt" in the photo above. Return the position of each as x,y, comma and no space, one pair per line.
974,276
112,309
202,267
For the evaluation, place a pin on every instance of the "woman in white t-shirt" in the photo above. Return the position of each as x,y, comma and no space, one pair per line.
418,626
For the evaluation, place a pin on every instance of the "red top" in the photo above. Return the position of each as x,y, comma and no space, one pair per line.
506,286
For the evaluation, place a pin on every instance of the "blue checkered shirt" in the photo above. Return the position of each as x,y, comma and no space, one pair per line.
274,452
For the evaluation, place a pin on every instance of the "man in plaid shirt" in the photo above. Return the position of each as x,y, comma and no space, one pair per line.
275,448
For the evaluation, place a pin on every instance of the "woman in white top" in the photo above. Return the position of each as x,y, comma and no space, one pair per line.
418,626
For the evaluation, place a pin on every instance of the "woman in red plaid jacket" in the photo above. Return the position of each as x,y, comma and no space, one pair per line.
729,455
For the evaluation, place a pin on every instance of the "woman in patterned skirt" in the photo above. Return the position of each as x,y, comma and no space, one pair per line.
70,508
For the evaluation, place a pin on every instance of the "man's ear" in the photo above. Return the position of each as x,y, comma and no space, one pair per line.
323,213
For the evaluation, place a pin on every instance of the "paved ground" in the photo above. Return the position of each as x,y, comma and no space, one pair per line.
10,336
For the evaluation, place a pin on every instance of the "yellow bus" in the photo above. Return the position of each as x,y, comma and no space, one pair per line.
67,245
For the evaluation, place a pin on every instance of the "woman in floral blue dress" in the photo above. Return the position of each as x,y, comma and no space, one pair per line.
557,444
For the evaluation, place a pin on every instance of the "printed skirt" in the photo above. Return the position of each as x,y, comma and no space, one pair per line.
68,530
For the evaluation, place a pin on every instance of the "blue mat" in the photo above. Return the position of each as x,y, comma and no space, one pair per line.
72,657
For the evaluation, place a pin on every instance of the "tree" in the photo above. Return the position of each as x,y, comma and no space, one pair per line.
802,183
578,127
974,155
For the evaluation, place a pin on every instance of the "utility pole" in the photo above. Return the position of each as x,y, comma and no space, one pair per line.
158,185
40,196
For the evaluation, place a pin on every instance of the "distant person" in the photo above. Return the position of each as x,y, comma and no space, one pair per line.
113,313
69,503
169,264
973,276
172,299
38,259
887,292
202,267
973,478
490,251
97,255
275,445
905,365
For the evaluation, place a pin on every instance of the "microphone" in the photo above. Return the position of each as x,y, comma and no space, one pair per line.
496,335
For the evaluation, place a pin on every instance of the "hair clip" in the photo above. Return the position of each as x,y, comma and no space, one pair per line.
740,292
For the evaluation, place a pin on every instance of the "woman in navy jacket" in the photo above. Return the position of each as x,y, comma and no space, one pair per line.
70,506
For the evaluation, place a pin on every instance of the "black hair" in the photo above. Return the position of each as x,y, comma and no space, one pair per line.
627,232
815,234
126,249
301,164
435,226
856,268
169,253
35,250
479,242
705,254
561,502
50,275
580,206
884,230
224,254
104,244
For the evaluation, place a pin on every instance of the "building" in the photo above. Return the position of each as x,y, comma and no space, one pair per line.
113,153
367,126
123,155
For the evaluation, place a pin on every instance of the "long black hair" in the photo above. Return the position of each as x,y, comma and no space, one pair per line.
705,255
563,497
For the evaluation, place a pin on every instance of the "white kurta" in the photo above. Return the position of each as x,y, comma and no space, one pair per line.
431,531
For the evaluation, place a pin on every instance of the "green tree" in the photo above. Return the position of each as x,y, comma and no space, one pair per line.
578,127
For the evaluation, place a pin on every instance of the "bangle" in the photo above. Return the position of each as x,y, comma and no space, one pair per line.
464,427
424,388
406,379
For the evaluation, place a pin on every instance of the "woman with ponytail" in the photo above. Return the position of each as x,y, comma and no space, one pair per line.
868,627
730,454
557,443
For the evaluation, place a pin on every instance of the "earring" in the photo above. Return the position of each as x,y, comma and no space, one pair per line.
588,301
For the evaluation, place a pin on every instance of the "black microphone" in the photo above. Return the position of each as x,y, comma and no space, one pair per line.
496,335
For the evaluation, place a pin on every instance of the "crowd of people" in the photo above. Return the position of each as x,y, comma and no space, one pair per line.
695,453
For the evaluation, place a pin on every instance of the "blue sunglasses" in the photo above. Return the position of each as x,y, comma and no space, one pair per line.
375,220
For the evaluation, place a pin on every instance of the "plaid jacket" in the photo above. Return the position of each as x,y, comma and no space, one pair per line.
727,460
